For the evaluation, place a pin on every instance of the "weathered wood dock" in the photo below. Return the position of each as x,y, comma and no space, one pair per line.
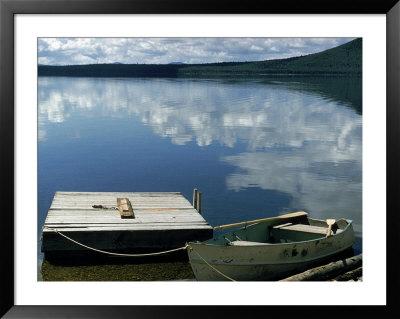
122,222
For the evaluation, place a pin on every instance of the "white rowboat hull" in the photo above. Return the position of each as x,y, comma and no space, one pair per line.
263,261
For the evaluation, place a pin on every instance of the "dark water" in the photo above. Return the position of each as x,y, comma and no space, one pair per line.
254,148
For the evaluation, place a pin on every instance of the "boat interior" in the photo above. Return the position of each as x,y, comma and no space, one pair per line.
280,231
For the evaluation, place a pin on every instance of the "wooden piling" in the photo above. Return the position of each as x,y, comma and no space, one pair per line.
195,191
199,202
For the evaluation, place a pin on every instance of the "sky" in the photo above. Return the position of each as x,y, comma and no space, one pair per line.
72,51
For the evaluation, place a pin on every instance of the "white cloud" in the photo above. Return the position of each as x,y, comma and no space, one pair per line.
82,59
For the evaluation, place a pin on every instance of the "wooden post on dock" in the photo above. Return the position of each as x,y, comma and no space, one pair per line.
199,202
195,198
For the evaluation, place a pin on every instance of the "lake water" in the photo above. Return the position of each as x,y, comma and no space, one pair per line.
254,147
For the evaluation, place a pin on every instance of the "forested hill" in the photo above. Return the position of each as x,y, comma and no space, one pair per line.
345,59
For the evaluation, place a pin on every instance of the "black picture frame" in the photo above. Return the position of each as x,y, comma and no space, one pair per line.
8,10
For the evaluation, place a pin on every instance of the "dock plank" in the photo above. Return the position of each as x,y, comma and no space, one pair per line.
111,227
120,221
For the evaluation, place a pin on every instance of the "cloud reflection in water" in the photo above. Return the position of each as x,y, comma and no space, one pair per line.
296,141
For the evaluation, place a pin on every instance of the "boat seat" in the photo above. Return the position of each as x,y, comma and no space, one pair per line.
246,243
305,228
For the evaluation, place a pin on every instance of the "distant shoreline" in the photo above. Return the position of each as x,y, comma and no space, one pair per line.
215,76
344,60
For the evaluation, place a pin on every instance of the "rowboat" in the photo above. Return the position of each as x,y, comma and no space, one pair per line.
270,248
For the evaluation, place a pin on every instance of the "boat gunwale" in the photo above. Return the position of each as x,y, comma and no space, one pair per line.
349,223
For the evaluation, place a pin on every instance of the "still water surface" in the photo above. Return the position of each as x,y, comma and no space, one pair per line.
254,147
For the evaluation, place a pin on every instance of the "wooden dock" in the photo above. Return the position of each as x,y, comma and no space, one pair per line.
122,222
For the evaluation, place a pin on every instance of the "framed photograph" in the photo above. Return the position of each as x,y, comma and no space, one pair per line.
281,140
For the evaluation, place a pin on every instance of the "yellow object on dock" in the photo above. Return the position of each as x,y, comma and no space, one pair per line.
158,221
125,208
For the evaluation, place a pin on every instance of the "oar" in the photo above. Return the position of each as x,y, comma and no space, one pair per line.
330,223
291,215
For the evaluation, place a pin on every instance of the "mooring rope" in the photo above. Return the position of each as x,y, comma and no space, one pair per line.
139,255
116,254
